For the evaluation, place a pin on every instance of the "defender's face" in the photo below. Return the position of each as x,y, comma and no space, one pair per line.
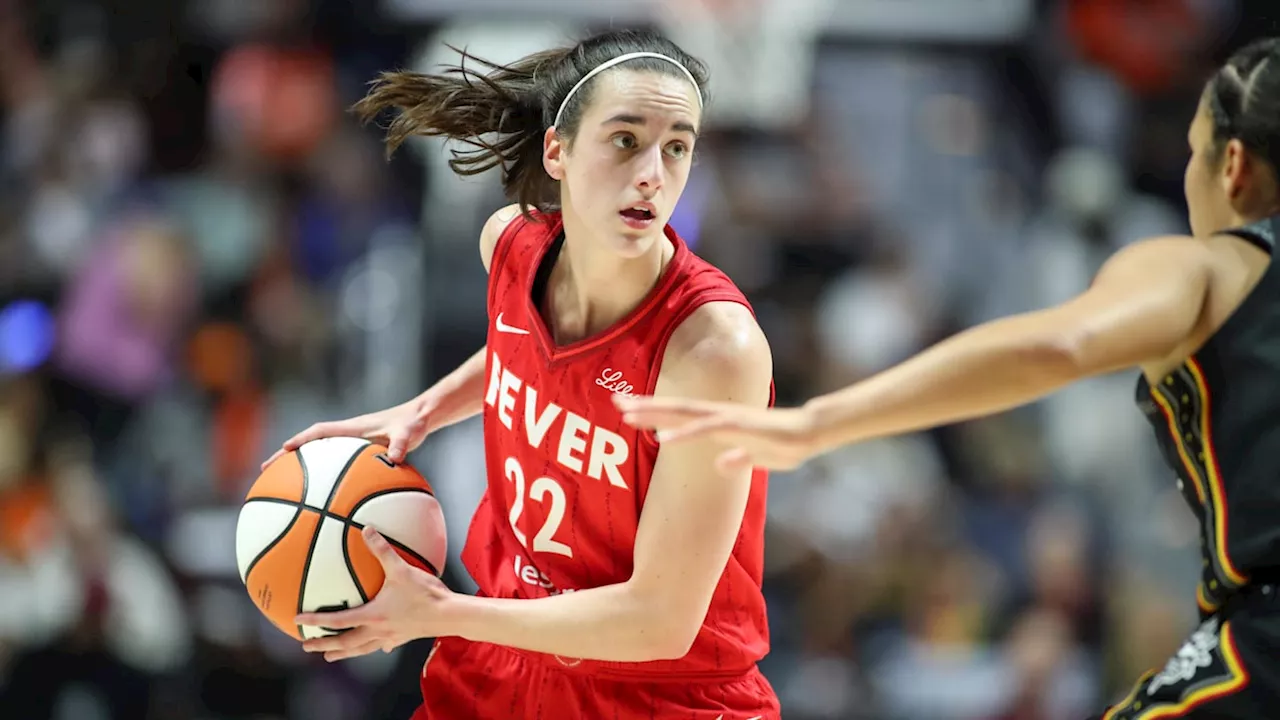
630,161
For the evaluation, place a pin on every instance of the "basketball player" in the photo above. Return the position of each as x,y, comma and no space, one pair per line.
617,579
1199,315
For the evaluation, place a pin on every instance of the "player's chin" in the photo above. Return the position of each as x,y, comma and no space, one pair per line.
634,242
630,247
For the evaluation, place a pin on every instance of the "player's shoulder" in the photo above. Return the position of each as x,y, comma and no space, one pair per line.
718,351
1170,256
493,229
503,220
1176,248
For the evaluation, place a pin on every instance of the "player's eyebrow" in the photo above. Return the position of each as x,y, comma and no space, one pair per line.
629,119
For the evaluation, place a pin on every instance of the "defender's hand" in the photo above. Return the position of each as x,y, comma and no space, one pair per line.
773,438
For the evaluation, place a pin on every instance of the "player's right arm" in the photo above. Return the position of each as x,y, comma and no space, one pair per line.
454,398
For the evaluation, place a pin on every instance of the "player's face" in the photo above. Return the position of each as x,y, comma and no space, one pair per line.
632,154
1207,202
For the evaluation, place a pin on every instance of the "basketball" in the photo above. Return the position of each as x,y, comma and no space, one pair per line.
298,541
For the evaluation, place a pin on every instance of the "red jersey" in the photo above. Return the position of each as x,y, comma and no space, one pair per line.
567,478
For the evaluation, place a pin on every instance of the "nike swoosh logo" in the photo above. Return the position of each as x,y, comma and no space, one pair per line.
503,327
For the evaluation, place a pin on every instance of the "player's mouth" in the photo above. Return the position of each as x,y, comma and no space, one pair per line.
639,216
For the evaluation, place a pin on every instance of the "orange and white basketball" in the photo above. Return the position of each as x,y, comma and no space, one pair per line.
298,541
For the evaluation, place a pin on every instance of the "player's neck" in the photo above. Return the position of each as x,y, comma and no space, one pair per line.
591,289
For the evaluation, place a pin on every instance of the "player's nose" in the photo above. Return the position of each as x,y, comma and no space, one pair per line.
649,169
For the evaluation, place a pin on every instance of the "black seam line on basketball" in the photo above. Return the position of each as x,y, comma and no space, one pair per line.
434,570
315,539
346,546
387,491
351,570
357,525
293,521
405,548
306,483
337,482
323,513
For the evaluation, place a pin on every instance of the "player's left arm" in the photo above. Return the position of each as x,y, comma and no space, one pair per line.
692,514
691,518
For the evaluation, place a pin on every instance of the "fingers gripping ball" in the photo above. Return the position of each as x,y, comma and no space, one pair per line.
298,540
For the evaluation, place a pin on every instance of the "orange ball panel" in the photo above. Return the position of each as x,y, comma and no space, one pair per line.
275,581
365,566
281,480
372,477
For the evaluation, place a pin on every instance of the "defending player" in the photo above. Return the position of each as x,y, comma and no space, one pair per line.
617,579
1200,316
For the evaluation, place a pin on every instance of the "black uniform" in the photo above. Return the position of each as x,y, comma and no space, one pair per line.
1217,419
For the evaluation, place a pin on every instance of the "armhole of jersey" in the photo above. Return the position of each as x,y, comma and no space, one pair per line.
500,249
697,301
1253,238
1261,234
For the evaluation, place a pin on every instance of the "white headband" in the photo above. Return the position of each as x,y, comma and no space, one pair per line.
621,59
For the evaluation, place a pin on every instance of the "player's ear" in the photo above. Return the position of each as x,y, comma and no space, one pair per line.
1235,167
553,151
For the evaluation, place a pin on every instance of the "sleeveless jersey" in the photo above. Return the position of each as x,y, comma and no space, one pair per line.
567,478
1217,420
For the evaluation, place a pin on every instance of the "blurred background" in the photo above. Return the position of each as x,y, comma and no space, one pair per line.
201,254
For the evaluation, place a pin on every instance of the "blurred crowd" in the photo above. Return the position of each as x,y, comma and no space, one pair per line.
201,253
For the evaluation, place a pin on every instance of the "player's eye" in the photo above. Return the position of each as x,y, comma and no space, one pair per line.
624,141
677,150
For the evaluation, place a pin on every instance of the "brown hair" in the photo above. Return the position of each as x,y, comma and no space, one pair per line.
503,112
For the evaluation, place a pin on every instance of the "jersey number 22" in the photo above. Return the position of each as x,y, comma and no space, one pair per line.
539,491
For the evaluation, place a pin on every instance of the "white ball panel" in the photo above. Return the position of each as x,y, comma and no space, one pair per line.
411,518
260,523
329,583
324,461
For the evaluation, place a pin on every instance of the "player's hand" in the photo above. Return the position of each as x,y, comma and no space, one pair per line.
400,429
773,438
402,610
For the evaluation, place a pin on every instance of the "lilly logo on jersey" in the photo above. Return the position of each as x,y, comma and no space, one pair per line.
608,450
612,381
